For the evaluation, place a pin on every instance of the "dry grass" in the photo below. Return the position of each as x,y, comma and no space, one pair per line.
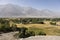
47,28
37,25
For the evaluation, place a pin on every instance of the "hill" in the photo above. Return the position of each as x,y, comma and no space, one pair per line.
10,10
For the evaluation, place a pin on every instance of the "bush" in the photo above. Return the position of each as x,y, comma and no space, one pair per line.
53,23
41,33
41,22
24,33
5,30
23,29
30,33
14,27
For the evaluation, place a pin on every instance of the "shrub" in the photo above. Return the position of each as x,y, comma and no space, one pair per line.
41,22
41,33
6,28
3,29
53,23
23,29
14,27
30,33
24,33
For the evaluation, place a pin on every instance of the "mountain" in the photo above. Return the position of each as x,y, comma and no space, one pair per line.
10,10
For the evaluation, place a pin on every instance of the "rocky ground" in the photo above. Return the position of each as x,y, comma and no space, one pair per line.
43,38
9,36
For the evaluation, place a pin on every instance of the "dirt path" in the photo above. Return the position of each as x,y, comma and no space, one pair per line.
7,36
43,38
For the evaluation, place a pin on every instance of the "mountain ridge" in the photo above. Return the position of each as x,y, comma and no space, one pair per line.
10,10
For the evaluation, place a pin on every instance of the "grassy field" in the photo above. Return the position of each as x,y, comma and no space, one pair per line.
47,28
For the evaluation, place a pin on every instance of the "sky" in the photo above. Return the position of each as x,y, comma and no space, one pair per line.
53,5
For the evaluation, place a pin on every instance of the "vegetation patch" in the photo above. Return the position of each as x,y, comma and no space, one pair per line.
26,32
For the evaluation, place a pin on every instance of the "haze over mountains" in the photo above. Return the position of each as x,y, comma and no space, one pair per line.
10,10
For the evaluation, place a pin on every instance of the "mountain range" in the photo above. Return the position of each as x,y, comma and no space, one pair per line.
10,10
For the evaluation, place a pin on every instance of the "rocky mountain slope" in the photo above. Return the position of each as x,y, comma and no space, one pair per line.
10,10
